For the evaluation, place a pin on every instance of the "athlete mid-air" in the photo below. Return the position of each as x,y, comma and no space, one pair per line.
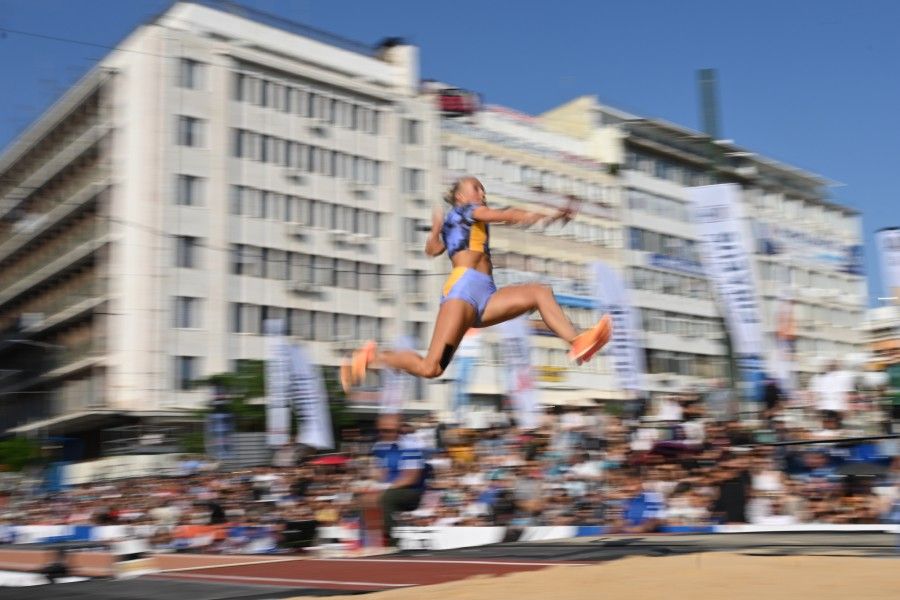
469,297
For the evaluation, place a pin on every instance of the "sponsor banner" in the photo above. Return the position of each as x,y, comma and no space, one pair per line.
447,538
673,263
520,383
774,238
260,539
888,241
561,285
397,387
488,131
723,245
307,391
626,354
540,534
532,195
741,528
277,369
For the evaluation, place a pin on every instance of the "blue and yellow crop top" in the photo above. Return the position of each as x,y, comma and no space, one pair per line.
462,232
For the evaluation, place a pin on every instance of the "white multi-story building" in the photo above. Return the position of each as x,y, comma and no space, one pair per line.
806,247
881,331
213,171
523,164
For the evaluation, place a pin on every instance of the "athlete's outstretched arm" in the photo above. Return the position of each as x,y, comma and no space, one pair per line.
515,216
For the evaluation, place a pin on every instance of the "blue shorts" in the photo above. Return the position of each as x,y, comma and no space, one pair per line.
469,285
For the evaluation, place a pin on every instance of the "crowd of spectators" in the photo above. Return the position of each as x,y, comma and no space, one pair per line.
687,460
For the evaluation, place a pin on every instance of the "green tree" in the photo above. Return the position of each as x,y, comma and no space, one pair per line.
248,383
19,452
239,388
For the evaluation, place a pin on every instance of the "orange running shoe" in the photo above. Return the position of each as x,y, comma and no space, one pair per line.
361,359
588,343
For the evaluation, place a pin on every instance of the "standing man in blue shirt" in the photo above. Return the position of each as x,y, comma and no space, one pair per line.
401,463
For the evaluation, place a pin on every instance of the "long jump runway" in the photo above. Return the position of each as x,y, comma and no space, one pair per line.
198,577
353,574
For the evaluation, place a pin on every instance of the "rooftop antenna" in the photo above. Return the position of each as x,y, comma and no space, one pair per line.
707,82
709,102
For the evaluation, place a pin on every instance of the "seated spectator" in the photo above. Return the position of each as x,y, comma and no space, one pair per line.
641,511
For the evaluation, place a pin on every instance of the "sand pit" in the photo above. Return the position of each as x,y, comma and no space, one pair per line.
714,576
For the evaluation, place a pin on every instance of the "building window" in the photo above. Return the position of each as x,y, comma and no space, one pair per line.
324,326
300,324
186,371
186,251
411,131
190,131
186,312
237,321
237,143
324,271
413,180
369,277
239,83
246,260
188,190
190,74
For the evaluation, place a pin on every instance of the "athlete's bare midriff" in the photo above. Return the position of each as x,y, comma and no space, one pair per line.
473,260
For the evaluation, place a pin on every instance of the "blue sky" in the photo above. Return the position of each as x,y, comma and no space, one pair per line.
809,82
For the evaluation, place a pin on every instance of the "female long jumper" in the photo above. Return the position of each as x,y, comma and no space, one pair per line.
470,298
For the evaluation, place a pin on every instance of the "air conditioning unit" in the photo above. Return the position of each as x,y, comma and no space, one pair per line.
359,187
303,287
295,175
344,346
385,295
298,230
417,298
360,239
339,236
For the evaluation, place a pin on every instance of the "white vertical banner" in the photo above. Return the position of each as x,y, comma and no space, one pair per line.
626,354
888,240
397,386
725,252
464,362
277,369
307,390
520,380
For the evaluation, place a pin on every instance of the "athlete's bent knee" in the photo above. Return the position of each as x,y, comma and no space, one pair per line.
542,289
431,370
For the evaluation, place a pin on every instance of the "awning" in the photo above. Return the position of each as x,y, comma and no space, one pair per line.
87,420
79,421
579,398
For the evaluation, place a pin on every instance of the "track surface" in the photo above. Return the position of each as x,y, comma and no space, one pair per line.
198,577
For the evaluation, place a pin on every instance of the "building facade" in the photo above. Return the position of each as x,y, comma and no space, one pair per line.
805,249
214,171
217,170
